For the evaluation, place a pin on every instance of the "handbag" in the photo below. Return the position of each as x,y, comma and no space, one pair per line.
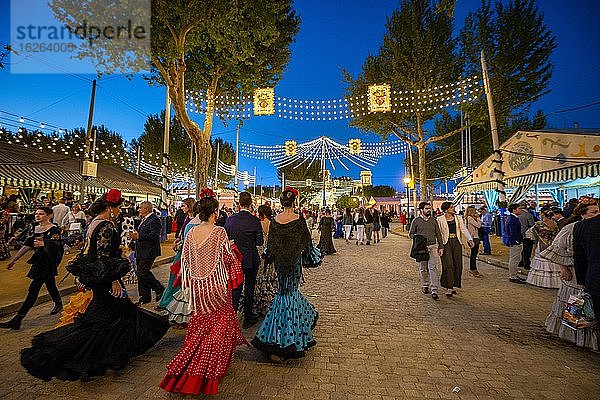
579,312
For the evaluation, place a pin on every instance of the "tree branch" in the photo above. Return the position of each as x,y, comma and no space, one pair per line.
163,72
409,135
446,135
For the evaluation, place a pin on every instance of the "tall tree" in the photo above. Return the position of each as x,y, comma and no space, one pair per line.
221,48
517,46
151,140
418,53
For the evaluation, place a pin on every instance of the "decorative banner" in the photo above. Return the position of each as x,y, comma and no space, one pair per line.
290,148
380,98
264,101
309,182
355,146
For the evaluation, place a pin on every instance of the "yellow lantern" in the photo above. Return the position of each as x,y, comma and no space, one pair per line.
355,146
290,147
264,101
380,98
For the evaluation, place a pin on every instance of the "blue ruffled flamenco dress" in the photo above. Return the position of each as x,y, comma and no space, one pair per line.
286,331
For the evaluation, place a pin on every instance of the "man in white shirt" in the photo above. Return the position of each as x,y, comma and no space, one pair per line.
59,211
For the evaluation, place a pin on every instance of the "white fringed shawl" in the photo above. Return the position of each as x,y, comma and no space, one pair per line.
203,271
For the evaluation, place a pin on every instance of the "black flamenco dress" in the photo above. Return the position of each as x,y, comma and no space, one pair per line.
286,330
326,226
110,332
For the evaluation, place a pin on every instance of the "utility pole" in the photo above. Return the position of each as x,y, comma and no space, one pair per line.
412,174
498,173
139,158
165,157
88,134
254,184
237,155
94,147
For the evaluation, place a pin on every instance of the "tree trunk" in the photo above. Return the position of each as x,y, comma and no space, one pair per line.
203,152
422,166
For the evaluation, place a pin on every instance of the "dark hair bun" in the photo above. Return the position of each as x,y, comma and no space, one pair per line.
287,198
206,207
98,207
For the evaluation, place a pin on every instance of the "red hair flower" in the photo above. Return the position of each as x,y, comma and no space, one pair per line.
207,192
113,196
291,189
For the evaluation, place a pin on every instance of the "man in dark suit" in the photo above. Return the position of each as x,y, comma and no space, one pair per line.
514,240
245,230
586,257
147,248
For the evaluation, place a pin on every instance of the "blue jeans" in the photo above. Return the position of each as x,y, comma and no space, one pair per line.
487,248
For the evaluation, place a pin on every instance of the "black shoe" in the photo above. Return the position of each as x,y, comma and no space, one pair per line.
435,296
14,323
425,290
516,280
454,292
248,322
57,308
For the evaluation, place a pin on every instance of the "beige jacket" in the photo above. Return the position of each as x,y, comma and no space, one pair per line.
460,228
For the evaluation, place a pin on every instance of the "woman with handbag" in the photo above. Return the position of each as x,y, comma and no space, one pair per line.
286,331
44,240
473,223
210,270
112,330
561,253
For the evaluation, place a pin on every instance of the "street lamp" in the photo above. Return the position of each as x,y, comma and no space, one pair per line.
407,181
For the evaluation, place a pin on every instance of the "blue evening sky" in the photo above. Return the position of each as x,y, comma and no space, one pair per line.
334,34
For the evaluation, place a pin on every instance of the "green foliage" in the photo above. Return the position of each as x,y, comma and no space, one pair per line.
346,201
418,52
378,191
302,172
518,46
152,141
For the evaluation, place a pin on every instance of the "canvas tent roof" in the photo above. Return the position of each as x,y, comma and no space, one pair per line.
25,167
540,157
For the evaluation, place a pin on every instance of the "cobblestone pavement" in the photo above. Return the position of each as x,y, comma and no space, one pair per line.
378,337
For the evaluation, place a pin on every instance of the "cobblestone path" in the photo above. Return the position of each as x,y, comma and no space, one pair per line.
378,337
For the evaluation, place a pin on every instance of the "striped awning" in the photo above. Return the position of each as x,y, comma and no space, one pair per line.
23,167
557,175
554,176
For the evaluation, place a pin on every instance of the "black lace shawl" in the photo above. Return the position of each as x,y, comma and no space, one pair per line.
288,241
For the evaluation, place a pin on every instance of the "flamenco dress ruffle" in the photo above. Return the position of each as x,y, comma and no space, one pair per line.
286,330
207,353
77,305
106,336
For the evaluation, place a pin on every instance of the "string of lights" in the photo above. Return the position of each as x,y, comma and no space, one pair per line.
402,101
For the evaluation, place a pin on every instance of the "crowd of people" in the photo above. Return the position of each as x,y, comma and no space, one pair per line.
565,255
224,265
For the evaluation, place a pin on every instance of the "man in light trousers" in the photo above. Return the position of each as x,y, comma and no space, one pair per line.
428,227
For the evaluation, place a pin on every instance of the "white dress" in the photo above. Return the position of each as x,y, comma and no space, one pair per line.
543,273
561,252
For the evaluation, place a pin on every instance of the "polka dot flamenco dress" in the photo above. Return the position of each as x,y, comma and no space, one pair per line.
210,270
286,331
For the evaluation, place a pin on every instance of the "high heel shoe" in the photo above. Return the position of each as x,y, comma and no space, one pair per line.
14,323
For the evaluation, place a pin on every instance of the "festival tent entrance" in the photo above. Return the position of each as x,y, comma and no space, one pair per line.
563,162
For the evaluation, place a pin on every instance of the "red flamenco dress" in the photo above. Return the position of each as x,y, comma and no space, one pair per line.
210,270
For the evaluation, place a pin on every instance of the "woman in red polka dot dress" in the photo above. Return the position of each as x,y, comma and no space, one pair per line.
210,270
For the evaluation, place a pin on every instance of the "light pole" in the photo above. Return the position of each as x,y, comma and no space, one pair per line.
406,184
